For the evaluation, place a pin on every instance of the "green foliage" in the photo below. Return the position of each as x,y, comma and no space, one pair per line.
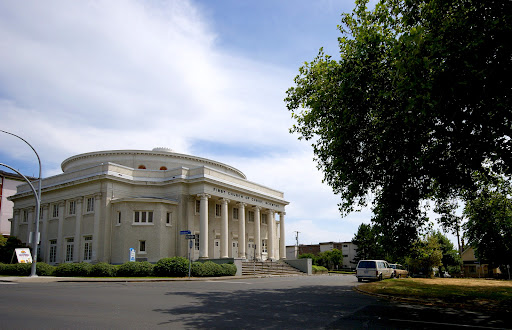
73,269
210,269
489,226
102,269
330,259
319,269
135,269
176,267
426,254
451,260
15,269
7,249
368,244
418,101
43,269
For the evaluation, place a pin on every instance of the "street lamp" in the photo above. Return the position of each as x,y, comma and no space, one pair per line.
37,195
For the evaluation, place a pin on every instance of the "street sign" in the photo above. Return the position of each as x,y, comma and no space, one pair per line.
132,254
185,232
191,236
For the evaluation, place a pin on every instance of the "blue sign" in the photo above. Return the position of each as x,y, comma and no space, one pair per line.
132,254
185,232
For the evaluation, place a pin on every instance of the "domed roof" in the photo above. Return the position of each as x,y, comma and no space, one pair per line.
156,159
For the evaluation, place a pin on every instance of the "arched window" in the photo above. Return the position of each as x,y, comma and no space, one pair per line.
163,168
142,167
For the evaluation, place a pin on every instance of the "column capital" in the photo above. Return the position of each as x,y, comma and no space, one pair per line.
192,198
270,211
256,207
97,196
203,196
45,206
224,200
282,213
241,204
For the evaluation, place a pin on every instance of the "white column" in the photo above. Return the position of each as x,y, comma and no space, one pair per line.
96,235
271,236
31,215
257,235
78,227
60,237
224,229
241,230
15,223
282,244
203,226
44,233
191,208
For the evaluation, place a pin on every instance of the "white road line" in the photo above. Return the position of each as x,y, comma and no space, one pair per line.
450,324
235,282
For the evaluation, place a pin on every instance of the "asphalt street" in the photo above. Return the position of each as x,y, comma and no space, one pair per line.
303,302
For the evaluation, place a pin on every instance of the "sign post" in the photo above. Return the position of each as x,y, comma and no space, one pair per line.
23,256
190,237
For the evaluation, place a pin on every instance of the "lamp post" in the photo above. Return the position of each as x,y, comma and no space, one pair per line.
37,195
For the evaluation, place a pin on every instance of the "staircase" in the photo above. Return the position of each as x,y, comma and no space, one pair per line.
268,268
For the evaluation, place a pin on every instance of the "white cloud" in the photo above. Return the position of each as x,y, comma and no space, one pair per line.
84,76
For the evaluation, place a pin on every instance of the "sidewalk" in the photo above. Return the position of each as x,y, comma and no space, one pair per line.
53,279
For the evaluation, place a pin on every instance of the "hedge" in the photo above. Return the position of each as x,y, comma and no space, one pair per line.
72,269
169,267
175,267
135,269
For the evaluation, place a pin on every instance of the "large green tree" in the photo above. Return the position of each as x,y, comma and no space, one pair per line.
489,226
367,240
417,102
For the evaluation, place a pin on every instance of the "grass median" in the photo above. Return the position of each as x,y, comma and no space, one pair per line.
471,293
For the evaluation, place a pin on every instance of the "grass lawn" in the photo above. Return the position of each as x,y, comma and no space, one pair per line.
478,293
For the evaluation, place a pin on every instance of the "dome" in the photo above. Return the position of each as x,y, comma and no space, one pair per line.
162,149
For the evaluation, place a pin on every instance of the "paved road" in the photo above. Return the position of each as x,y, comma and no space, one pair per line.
305,302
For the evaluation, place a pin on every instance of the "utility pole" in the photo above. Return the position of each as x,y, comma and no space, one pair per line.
297,243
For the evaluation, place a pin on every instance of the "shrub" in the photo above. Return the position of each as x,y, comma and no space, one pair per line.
15,269
103,269
228,270
319,270
197,269
176,266
43,269
73,269
135,269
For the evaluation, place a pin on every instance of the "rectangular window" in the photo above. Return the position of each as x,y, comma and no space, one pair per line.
218,210
89,205
169,218
87,248
53,251
118,218
235,213
143,217
196,242
264,246
142,246
70,245
72,208
25,216
250,217
198,206
55,211
264,219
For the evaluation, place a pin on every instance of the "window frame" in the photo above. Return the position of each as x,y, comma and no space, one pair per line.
143,249
70,247
72,207
236,213
143,217
250,216
218,210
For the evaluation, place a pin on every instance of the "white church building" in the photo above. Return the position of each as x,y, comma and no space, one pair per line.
108,203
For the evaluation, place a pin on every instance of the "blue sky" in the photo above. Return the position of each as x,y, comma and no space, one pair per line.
206,78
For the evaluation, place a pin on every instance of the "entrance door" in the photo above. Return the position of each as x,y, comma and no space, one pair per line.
250,250
216,249
234,250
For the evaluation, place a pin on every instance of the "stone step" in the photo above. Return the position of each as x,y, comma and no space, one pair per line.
268,268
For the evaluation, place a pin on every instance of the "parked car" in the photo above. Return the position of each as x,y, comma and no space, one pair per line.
373,270
399,270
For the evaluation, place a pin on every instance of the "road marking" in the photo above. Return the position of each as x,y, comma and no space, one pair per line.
450,324
7,282
229,282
